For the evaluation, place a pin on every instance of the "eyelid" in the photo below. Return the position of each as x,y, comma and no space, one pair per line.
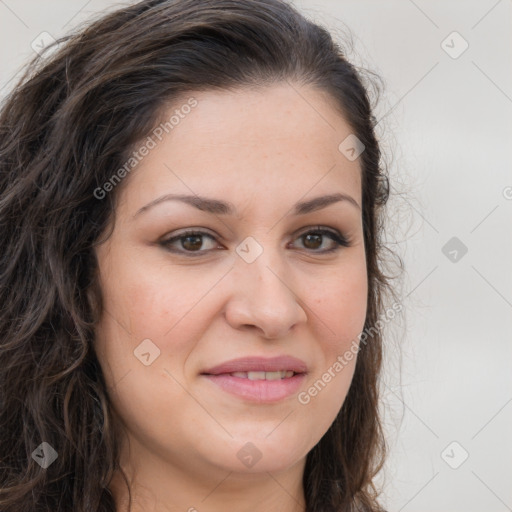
317,227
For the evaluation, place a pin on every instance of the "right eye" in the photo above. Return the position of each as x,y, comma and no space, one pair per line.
190,241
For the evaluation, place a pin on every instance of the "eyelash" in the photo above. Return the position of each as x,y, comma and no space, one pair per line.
335,236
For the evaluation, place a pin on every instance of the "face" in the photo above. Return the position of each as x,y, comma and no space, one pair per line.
267,277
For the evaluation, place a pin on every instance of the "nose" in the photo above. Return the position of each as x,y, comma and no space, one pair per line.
264,298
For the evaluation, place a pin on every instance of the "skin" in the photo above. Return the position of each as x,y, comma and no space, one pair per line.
262,150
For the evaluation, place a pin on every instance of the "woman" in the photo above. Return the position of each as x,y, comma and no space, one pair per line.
191,279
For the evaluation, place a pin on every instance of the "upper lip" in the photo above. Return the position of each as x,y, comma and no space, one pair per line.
259,364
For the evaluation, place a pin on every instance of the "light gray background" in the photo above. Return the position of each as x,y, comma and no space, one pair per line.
447,124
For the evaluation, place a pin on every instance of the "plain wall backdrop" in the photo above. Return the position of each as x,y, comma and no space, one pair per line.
446,128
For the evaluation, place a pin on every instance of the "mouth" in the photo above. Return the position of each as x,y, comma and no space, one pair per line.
258,368
251,388
259,380
257,375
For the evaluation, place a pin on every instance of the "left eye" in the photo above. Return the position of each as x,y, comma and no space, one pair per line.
191,241
313,237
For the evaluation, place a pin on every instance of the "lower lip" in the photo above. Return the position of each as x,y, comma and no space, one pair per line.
261,391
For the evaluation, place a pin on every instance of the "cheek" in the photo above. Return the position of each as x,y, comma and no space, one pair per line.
340,304
154,298
156,306
168,306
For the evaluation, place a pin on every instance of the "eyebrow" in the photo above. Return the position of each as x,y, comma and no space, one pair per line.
218,207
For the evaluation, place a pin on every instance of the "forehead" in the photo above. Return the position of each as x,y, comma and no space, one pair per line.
279,141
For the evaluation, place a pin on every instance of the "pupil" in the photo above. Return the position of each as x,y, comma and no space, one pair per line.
197,245
317,237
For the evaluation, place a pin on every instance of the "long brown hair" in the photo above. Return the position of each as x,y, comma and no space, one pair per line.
73,119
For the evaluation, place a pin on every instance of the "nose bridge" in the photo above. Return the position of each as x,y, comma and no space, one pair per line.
267,273
263,295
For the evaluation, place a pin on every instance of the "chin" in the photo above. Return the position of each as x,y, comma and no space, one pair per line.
262,453
274,462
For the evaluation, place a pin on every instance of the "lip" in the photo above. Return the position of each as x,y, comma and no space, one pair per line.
259,364
259,391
